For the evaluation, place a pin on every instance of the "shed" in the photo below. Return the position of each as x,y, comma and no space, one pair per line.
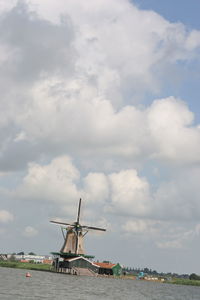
109,268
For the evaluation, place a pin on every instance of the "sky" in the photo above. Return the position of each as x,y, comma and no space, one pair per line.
100,101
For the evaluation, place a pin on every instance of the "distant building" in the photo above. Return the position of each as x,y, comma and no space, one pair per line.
3,257
34,258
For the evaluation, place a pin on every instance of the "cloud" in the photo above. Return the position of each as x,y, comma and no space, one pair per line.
29,232
145,54
59,182
6,216
180,196
96,187
54,182
121,194
169,244
141,226
178,237
160,132
71,93
170,126
171,234
130,194
31,46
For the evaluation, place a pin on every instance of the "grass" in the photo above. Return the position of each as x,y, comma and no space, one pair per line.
184,281
27,266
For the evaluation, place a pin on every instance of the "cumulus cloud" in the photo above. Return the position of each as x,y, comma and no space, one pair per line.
171,234
124,193
141,226
6,216
31,46
54,182
153,45
30,231
164,131
178,237
180,196
169,244
130,194
60,182
49,112
174,137
96,187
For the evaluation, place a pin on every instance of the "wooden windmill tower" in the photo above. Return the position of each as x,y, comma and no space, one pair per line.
74,236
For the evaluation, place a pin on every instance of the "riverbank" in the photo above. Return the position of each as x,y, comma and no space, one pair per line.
184,281
173,280
48,268
25,265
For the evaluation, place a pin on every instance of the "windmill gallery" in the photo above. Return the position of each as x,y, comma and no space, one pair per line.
72,258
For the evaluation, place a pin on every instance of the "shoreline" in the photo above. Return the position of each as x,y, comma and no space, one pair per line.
26,266
48,268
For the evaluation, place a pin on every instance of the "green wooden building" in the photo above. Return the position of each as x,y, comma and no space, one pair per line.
107,268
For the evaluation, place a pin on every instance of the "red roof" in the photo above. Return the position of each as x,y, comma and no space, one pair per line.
105,265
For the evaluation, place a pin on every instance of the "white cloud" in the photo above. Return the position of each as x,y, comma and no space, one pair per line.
130,194
86,113
6,216
141,226
169,244
163,234
30,231
179,197
155,44
6,5
162,131
123,194
59,182
177,237
171,130
193,40
96,187
53,182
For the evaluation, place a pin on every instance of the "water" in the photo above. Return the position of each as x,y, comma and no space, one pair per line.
43,285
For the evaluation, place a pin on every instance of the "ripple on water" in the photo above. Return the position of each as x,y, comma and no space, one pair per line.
14,285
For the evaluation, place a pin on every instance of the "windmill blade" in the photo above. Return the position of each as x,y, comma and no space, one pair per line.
79,210
62,223
76,243
94,228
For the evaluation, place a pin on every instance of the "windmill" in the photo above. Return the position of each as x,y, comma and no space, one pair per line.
75,232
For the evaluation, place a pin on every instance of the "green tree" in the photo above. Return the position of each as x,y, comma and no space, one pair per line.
194,276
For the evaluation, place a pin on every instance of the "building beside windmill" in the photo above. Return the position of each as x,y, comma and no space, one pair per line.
107,268
72,258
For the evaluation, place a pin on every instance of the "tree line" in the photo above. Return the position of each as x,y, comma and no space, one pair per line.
136,271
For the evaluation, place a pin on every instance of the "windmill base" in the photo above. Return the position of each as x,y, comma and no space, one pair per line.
74,265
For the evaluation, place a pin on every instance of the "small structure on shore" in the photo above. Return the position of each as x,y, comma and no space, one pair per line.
107,268
72,258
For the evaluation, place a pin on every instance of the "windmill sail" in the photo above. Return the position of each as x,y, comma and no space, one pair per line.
73,242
